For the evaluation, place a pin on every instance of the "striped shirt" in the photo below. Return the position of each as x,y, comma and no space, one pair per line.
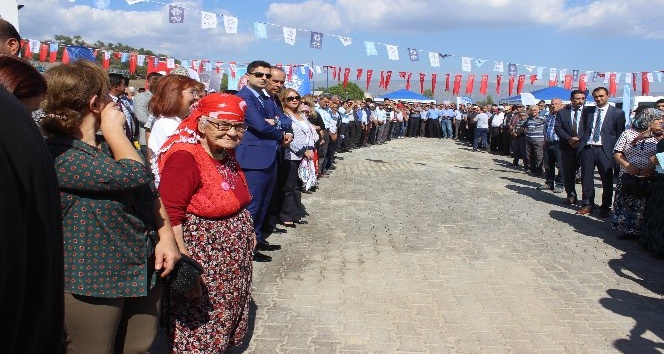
534,128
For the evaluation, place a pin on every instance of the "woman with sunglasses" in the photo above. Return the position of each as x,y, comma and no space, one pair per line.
289,196
205,193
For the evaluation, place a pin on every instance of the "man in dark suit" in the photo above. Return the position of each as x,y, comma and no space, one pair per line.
567,128
257,153
601,127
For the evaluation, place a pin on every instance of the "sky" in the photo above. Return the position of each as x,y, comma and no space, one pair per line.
608,35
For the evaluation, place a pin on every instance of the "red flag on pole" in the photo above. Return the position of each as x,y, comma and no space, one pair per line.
53,55
499,78
447,82
583,79
217,66
369,74
28,53
510,86
106,62
43,51
433,83
457,85
388,77
408,80
519,85
346,75
484,84
613,85
290,72
133,60
359,73
533,78
568,82
422,76
470,84
381,84
634,81
334,72
645,83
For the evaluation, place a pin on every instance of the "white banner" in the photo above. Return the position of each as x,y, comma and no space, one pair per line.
434,59
498,66
208,20
466,64
289,35
230,24
392,52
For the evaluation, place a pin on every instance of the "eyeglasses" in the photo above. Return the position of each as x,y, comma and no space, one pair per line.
224,127
293,98
259,75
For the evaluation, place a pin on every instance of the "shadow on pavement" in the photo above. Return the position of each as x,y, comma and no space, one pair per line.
241,348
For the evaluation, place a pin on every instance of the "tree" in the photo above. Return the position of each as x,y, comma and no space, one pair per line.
428,93
351,91
224,82
488,101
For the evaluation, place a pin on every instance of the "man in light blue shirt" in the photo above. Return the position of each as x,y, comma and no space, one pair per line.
433,125
343,139
446,123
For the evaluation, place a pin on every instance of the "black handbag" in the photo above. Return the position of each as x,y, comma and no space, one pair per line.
185,276
636,186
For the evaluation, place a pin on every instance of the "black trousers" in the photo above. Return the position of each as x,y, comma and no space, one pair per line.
343,137
289,195
354,133
569,163
433,128
495,139
414,127
592,157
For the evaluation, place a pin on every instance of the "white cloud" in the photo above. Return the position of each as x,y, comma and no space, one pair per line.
310,14
148,29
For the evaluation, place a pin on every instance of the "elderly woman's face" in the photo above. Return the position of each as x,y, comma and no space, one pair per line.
656,127
221,134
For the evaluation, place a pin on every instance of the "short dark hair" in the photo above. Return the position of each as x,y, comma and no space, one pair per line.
8,31
576,92
601,88
257,64
20,78
661,100
116,79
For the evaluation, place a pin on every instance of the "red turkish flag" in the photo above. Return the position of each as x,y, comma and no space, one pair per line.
613,85
408,76
233,68
133,59
510,86
388,77
43,51
645,83
359,73
484,84
568,82
346,75
334,72
457,85
533,78
583,80
519,85
433,83
447,82
634,81
106,62
369,74
499,78
53,56
470,84
422,76
217,66
290,72
311,73
28,53
382,79
65,55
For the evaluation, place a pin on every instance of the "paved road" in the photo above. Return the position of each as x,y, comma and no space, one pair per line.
422,246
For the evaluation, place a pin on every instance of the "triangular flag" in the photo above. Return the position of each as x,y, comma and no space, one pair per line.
479,62
230,24
208,20
529,68
346,41
260,30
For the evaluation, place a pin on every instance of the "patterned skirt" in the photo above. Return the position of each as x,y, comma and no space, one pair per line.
218,319
652,235
627,212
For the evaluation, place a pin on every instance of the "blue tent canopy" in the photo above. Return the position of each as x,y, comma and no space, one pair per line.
546,94
406,96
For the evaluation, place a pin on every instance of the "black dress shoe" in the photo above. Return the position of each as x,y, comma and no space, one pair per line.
266,246
571,200
302,222
273,230
259,257
604,213
291,225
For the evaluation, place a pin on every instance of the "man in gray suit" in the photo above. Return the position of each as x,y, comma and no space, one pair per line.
601,127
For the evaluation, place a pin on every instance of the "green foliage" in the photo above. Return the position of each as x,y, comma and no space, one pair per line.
428,93
352,91
488,101
224,82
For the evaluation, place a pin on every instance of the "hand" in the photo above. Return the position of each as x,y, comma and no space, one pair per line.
648,171
309,154
166,256
632,170
288,137
271,121
112,118
573,141
653,160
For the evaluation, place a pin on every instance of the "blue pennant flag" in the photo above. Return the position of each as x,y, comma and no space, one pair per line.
260,30
413,54
371,48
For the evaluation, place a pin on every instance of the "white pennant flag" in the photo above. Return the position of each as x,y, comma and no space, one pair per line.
498,66
529,68
628,78
140,60
562,73
318,69
466,63
34,45
392,52
479,62
170,63
434,59
618,77
659,76
607,75
302,70
130,2
230,24
553,74
289,35
589,75
651,78
346,41
540,72
208,20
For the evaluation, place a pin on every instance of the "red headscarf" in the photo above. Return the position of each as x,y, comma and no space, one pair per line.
217,106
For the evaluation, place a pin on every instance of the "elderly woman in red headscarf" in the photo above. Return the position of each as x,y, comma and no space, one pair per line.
205,194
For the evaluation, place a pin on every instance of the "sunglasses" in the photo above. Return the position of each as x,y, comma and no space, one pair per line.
293,98
260,75
224,127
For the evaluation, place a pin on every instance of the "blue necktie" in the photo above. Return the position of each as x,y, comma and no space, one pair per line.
597,132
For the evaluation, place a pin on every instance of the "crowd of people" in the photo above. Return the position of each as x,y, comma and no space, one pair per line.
154,205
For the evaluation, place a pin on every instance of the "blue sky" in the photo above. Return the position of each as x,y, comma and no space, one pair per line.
608,35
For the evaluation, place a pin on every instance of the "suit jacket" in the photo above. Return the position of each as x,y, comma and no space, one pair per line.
612,126
258,148
563,127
